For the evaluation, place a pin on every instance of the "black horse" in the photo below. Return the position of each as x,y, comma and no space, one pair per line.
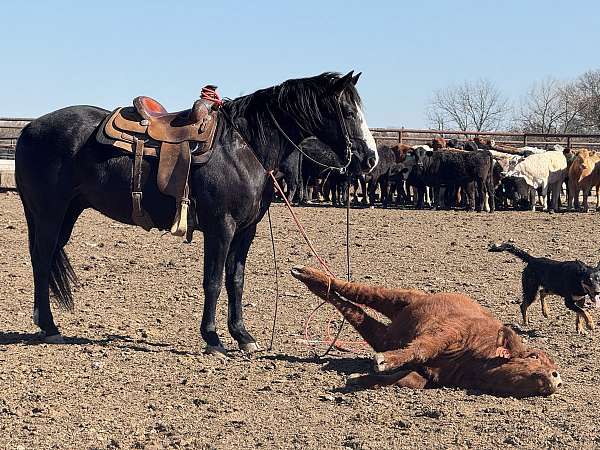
61,170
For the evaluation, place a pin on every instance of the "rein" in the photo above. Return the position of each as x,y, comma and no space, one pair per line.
342,169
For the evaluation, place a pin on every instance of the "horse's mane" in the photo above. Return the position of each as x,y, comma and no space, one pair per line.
299,98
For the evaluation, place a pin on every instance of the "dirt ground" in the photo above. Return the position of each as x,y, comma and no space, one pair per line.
133,375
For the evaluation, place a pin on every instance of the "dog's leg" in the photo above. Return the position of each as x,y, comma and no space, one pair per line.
403,378
579,324
543,295
530,288
575,306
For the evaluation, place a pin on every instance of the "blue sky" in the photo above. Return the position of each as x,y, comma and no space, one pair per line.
58,53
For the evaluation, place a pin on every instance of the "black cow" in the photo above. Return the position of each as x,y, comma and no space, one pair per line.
451,168
380,175
469,146
291,169
517,191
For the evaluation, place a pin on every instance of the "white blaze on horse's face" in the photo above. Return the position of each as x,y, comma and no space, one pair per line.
367,136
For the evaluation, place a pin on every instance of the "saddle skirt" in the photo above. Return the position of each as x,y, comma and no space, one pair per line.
178,140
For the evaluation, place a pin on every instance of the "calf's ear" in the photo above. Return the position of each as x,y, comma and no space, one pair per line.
508,343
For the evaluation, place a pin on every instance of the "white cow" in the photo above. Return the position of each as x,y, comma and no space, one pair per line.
544,171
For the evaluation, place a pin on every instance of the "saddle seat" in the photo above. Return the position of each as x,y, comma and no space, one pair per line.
148,129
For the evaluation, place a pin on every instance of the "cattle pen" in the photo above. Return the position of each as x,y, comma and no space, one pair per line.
421,136
10,128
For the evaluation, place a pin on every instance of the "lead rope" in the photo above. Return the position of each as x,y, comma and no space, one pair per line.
276,280
348,274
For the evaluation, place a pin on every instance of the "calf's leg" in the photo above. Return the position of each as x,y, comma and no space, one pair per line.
421,349
371,330
403,378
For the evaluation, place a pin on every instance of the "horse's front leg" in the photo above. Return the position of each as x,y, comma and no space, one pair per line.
216,248
234,283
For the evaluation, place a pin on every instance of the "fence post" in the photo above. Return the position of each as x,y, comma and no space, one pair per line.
401,135
524,140
569,142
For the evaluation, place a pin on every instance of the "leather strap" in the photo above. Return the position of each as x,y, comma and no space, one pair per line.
139,215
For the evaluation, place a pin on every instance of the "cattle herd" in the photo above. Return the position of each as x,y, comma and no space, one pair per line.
446,174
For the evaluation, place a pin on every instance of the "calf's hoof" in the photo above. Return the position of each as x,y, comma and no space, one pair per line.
250,347
379,363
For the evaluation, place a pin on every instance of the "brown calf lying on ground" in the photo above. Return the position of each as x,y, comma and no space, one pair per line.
434,340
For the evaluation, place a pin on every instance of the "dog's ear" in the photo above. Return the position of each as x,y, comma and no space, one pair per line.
581,266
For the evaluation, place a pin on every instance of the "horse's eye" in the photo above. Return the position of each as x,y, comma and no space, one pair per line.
349,113
534,356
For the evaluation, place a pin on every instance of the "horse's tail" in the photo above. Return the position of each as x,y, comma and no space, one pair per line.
508,247
62,276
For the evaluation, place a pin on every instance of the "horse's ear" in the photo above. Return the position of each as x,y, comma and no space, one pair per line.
342,82
355,78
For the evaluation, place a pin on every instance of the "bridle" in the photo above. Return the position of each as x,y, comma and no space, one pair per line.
342,169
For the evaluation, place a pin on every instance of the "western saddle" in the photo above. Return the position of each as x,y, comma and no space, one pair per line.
147,129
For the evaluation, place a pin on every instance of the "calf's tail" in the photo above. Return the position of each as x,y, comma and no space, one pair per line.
508,247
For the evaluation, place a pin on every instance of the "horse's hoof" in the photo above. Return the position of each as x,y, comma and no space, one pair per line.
250,347
216,350
54,339
380,365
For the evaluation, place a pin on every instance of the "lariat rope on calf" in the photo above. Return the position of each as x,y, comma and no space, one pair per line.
331,341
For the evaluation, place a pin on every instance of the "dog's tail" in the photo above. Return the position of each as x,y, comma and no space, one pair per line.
508,247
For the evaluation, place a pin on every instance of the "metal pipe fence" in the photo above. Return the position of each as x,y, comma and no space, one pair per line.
10,128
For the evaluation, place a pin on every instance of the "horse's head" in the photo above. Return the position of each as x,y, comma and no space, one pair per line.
328,107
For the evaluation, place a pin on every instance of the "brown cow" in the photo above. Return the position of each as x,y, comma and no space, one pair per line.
582,177
442,339
437,143
484,144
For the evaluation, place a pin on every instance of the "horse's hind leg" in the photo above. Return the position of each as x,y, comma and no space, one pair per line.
51,267
45,231
234,283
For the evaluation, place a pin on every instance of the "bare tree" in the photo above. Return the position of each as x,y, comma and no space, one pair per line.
475,105
552,106
436,119
587,87
541,109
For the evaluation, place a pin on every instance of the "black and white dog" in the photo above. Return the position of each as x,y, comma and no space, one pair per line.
572,280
